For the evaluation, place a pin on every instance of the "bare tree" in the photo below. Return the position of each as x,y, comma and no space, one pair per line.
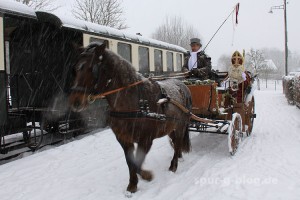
46,5
104,12
255,60
175,30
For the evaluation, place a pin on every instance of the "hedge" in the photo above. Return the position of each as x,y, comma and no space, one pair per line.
297,90
291,89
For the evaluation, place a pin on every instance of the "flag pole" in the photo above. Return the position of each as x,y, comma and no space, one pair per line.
235,7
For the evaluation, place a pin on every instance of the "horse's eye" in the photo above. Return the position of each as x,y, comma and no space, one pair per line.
80,66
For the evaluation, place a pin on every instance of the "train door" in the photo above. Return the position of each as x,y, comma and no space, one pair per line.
21,75
3,105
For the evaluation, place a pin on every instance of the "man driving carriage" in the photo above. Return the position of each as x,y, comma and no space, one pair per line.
197,63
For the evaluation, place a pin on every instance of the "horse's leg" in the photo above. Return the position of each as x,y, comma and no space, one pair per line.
142,150
133,180
172,142
177,150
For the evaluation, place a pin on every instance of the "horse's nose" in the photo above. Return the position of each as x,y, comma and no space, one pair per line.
77,103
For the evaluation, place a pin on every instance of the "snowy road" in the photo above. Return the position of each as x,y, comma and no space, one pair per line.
267,165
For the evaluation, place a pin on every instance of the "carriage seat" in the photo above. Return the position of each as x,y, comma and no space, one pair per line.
218,76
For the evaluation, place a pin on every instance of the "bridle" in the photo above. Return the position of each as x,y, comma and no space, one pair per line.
95,72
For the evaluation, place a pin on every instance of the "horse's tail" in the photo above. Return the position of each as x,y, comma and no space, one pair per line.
186,143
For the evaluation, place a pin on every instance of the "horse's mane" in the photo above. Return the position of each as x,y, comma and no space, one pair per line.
121,68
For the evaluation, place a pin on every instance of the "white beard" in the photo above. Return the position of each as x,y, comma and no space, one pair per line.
237,73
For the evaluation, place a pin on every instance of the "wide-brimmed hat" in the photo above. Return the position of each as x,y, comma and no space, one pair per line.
195,41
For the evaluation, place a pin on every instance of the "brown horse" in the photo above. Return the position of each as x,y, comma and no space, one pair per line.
135,114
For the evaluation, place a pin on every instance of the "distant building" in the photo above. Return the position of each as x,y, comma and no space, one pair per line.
269,65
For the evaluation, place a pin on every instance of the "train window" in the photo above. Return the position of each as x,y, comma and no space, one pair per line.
170,62
179,61
92,39
124,50
144,60
158,62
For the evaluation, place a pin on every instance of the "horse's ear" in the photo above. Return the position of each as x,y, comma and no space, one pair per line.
77,48
99,50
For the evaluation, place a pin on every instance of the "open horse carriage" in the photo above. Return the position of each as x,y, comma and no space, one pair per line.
229,113
227,102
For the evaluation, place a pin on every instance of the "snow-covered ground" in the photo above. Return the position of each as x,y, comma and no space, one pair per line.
266,166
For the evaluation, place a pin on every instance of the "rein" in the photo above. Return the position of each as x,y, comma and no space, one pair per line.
91,98
193,116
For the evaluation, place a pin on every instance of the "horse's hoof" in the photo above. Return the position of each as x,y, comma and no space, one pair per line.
132,188
173,168
147,175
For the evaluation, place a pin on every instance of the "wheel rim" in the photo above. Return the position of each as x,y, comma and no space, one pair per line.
252,112
33,139
234,133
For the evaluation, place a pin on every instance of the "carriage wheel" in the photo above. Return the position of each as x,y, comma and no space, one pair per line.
34,138
251,114
234,133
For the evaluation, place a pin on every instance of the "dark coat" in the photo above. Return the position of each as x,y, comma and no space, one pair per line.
203,69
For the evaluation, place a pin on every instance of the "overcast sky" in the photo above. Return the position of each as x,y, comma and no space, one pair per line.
257,28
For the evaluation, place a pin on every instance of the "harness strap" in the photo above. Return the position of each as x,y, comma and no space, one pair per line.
193,116
138,115
91,98
132,114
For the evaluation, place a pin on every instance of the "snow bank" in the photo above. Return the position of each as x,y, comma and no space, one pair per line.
266,165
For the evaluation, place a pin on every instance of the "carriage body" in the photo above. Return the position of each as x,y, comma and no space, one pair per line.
231,106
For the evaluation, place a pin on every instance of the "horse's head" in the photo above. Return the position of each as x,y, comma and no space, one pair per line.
90,72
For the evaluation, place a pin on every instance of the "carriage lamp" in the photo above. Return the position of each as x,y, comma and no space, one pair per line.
283,7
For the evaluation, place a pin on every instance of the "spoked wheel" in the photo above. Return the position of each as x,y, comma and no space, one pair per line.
251,115
34,137
234,133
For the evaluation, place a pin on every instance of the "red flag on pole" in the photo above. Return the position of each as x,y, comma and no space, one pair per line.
237,9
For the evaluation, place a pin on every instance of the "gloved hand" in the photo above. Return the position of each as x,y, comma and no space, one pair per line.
194,72
198,72
191,73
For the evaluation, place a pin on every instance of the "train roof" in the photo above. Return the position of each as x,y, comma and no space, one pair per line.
85,26
16,8
19,9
